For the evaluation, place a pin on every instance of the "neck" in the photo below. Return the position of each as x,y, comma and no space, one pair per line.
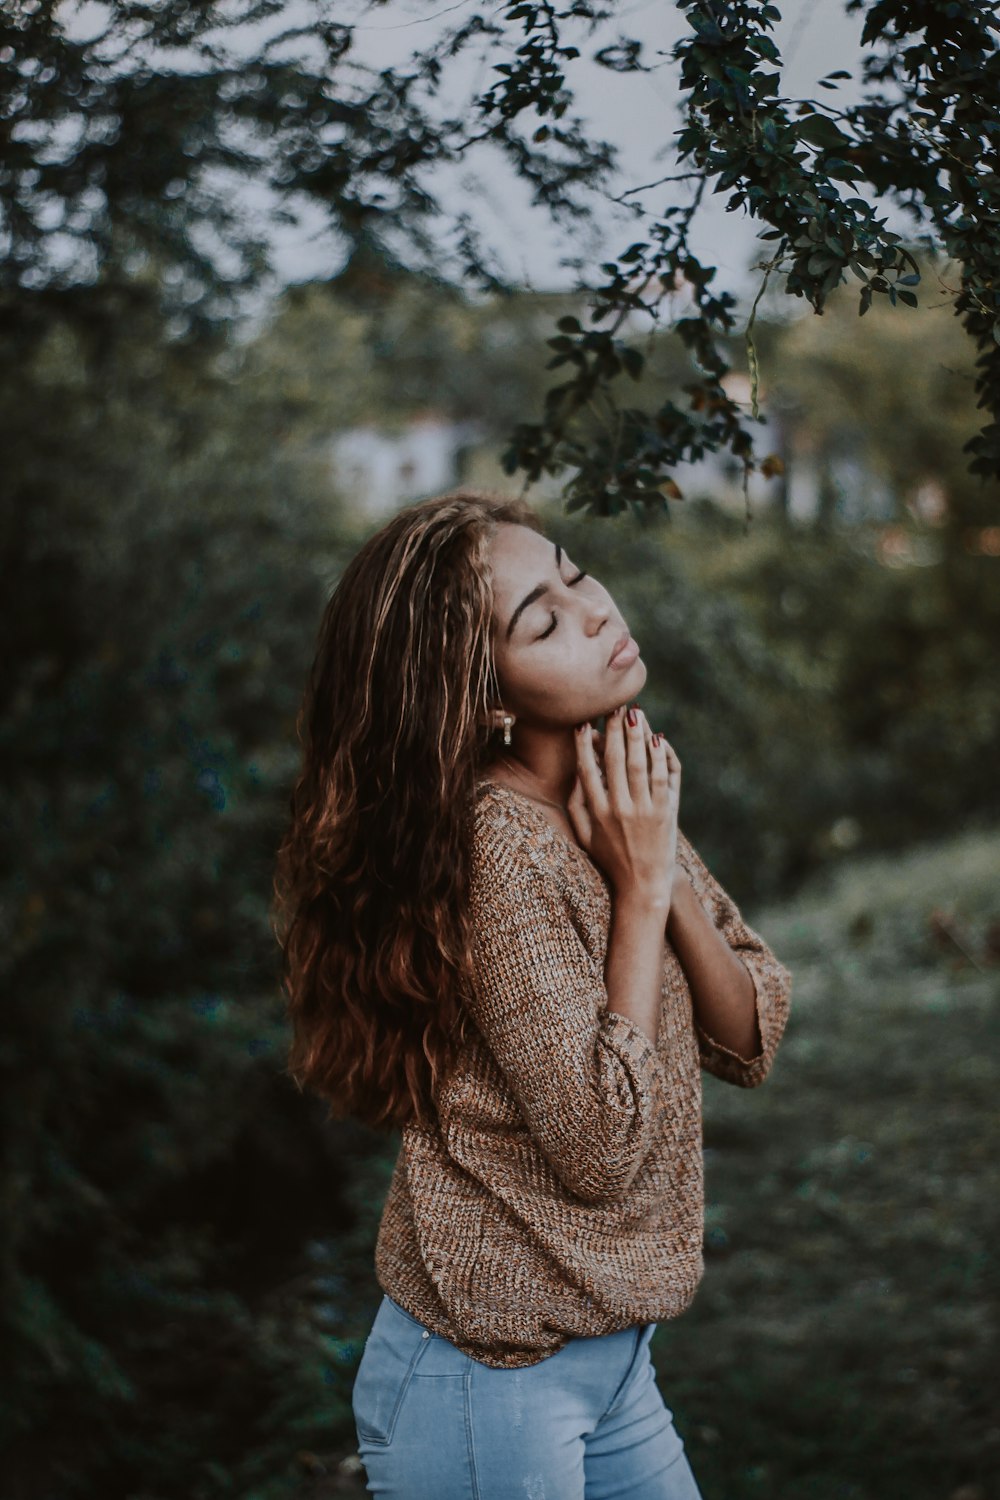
544,762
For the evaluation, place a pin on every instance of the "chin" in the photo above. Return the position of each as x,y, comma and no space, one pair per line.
630,685
635,677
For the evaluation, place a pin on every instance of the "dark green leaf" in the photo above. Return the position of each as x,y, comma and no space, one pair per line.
821,131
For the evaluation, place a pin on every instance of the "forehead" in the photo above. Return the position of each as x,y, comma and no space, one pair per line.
519,558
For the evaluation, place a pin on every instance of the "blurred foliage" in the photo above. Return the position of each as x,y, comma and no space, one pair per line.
163,1188
895,404
186,1252
381,345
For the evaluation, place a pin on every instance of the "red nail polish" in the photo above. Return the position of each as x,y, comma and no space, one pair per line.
630,716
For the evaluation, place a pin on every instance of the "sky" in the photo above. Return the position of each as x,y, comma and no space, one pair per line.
637,112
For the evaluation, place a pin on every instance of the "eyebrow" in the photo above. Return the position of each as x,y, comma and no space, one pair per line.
536,593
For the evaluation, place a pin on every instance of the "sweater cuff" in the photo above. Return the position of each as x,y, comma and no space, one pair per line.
634,1047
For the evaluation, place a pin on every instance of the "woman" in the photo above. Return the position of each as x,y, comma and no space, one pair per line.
499,941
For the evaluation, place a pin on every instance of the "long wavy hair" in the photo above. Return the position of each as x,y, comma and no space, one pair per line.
371,880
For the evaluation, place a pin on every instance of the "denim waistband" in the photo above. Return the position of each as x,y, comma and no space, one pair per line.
644,1331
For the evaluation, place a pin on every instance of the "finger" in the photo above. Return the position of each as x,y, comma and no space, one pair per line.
576,807
597,740
651,733
647,730
672,757
588,771
659,767
635,758
665,768
614,758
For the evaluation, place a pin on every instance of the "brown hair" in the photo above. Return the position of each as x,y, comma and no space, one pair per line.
371,879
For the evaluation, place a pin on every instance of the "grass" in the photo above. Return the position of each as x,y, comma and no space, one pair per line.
843,1343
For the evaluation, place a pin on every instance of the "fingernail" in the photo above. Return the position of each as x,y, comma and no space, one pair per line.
655,739
584,725
630,716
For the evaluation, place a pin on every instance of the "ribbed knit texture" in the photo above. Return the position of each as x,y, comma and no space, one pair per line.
560,1193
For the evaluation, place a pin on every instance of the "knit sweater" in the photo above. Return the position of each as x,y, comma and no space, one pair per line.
559,1192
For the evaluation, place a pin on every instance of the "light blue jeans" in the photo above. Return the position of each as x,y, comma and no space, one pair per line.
585,1423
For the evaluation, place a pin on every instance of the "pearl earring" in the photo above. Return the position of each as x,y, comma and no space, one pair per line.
507,722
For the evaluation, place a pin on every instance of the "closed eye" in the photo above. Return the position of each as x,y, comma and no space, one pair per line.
569,582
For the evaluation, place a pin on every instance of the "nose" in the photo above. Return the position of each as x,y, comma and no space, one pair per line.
598,616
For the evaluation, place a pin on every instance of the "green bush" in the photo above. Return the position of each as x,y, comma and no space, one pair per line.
172,1326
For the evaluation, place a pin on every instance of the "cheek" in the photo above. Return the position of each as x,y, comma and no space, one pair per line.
548,676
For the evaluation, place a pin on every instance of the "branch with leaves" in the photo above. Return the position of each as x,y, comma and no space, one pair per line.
800,167
117,166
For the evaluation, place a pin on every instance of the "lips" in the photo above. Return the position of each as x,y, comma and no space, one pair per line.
620,644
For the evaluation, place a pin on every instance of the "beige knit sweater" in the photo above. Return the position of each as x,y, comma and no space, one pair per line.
560,1193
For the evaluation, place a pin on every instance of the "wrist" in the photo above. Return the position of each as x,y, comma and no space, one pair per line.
682,893
644,900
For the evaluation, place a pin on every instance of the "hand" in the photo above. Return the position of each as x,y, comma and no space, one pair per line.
597,740
628,821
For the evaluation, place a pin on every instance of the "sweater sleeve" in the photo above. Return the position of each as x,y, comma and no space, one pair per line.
589,1083
772,981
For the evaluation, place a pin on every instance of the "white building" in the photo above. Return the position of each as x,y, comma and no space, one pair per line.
377,470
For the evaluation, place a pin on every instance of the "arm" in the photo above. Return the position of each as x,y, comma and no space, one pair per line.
633,968
739,1017
722,991
587,1079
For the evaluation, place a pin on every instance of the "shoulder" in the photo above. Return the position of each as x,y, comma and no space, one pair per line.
510,842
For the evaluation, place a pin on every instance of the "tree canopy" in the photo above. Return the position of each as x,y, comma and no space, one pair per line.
126,123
